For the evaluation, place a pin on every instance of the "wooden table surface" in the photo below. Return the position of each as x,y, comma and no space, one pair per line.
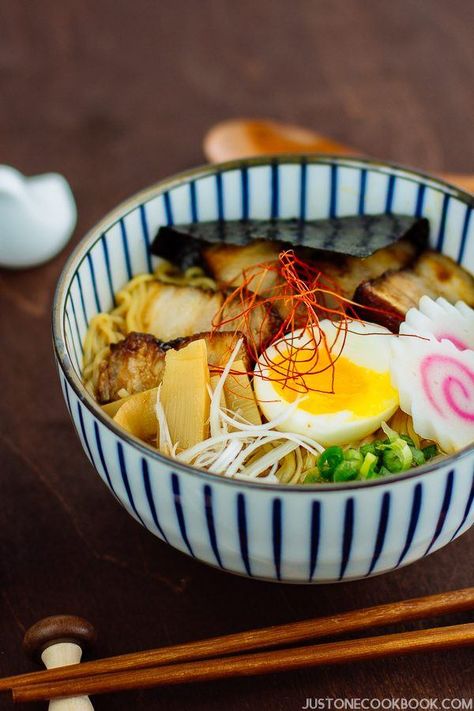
116,94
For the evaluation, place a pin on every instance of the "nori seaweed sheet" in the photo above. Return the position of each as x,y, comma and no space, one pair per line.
355,235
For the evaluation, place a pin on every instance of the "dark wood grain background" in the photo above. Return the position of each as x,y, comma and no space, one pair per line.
116,94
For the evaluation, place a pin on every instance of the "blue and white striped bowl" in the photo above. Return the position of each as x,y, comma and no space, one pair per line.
321,533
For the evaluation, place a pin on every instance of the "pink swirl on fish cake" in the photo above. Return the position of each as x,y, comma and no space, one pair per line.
454,340
451,386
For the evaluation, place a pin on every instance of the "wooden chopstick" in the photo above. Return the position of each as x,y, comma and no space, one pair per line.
254,664
279,635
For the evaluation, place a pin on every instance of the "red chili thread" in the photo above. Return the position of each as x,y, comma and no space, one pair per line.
302,295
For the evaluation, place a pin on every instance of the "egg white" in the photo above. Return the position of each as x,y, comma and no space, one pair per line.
366,345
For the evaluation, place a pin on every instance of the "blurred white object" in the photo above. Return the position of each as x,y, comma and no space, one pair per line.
37,217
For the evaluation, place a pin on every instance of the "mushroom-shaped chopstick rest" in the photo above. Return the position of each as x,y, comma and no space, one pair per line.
59,641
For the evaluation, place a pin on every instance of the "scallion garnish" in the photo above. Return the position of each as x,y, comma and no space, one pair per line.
328,461
397,456
430,451
312,476
418,456
368,465
375,459
346,470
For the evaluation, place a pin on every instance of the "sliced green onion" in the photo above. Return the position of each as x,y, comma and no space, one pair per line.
346,471
368,465
312,476
353,455
418,456
391,434
383,471
398,456
366,448
408,440
380,445
430,451
328,461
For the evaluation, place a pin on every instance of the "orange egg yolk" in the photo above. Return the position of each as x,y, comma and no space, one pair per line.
345,386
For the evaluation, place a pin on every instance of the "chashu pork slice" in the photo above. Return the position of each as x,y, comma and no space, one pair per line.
233,265
257,321
181,311
135,364
227,263
348,272
345,273
138,362
395,292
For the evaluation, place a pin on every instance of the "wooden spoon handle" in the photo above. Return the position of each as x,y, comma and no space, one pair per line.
244,138
463,181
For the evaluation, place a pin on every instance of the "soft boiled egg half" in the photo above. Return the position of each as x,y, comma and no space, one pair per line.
338,374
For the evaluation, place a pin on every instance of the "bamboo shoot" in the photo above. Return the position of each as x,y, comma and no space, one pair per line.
137,415
239,395
111,408
184,394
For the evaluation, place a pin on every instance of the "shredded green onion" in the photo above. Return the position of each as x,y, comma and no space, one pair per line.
368,465
379,458
346,470
328,461
397,456
430,451
418,456
354,455
391,434
312,476
366,448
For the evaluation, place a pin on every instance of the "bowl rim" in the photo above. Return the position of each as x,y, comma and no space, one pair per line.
125,207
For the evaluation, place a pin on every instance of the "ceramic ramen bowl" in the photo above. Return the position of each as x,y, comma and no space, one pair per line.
303,534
